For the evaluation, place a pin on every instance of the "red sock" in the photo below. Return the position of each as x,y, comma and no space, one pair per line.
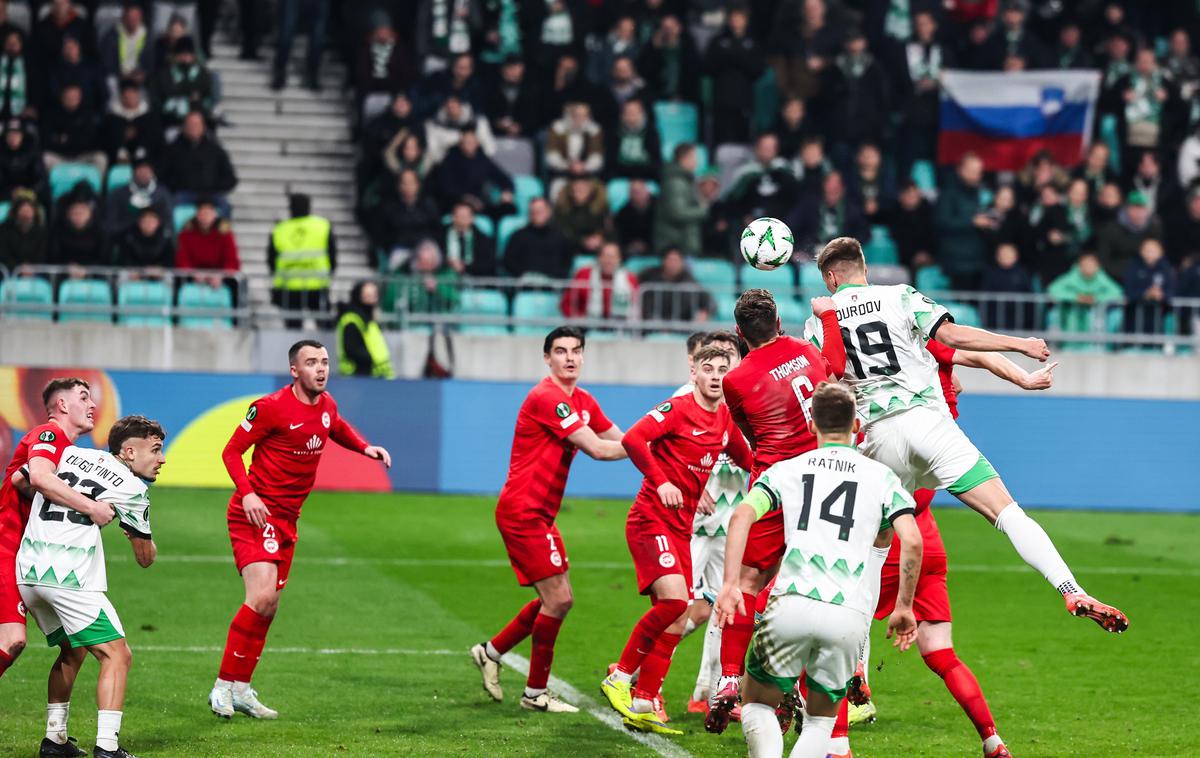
545,631
964,687
244,646
656,665
647,631
841,727
6,660
735,640
518,629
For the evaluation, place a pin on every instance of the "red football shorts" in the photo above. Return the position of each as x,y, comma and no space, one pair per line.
535,549
932,599
12,608
657,552
764,546
274,543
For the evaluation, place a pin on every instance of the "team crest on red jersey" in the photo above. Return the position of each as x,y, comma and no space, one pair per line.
556,559
666,560
325,419
725,439
562,410
707,460
46,436
587,417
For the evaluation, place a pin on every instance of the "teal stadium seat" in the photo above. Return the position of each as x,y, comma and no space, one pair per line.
143,295
65,176
673,337
677,122
535,305
5,209
196,296
881,250
1109,135
639,263
725,306
812,284
29,291
932,279
119,176
791,314
582,260
967,315
525,189
781,282
83,293
924,175
617,192
181,215
487,303
717,275
508,225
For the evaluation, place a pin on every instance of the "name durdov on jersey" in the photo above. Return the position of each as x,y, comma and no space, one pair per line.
859,309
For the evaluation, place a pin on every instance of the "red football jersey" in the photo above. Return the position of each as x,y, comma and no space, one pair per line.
45,441
541,455
684,441
288,438
944,355
770,392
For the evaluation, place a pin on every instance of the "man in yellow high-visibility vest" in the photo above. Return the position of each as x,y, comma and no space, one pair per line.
302,254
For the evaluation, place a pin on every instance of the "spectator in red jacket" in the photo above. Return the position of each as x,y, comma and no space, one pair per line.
603,290
207,242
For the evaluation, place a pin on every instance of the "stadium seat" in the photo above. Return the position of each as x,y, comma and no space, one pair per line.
881,249
374,104
674,337
725,306
676,122
20,17
27,290
164,9
889,275
525,189
193,295
515,155
118,176
925,177
144,294
604,335
1110,136
932,279
508,225
535,305
715,274
617,191
484,302
581,261
729,158
5,209
65,176
766,102
781,281
812,284
791,314
639,263
85,292
107,16
967,315
181,215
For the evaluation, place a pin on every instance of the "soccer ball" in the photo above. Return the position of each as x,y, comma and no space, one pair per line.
766,243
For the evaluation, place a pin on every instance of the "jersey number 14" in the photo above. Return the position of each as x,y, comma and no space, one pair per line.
844,520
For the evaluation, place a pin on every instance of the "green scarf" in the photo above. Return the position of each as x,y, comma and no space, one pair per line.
1145,105
632,149
13,83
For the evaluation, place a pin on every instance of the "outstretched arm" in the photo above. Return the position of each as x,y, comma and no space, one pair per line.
594,446
1010,372
348,437
969,338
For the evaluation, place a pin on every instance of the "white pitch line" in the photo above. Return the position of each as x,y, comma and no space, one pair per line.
298,650
601,713
966,568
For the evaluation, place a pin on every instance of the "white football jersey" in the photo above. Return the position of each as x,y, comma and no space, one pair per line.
885,329
726,486
835,502
62,547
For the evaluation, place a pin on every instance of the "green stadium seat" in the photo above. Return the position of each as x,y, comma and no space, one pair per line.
5,209
812,284
673,337
725,306
639,263
484,302
766,102
181,215
525,189
792,314
143,295
65,176
27,290
924,175
881,250
581,261
535,305
967,315
676,122
508,225
932,279
781,281
118,176
1110,136
715,274
85,292
196,296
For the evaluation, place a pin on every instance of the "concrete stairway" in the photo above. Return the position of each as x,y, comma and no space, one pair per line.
288,141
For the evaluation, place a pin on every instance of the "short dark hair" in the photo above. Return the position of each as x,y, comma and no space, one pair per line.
61,384
756,316
299,204
841,250
695,341
712,352
132,428
833,408
681,150
724,335
558,333
295,349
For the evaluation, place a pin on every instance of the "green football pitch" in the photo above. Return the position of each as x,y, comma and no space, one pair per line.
368,655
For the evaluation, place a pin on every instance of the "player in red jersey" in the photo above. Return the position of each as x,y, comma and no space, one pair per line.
71,412
769,395
557,419
675,446
931,604
288,429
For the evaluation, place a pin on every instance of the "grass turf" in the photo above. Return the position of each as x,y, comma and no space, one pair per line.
423,577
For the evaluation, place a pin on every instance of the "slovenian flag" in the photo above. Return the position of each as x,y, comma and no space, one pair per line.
1007,118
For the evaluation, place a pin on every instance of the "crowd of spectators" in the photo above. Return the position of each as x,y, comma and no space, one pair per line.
831,110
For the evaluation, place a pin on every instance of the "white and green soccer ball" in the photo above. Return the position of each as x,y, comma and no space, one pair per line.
766,243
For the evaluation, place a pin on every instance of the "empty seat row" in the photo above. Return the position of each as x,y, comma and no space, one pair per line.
142,302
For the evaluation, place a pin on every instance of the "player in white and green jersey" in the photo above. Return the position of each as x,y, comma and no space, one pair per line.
62,576
905,420
837,506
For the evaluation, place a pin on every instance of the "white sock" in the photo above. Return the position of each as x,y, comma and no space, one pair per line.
710,661
642,705
875,563
108,726
222,683
865,656
620,676
839,745
689,626
991,743
814,739
56,722
1034,546
761,730
490,650
531,692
